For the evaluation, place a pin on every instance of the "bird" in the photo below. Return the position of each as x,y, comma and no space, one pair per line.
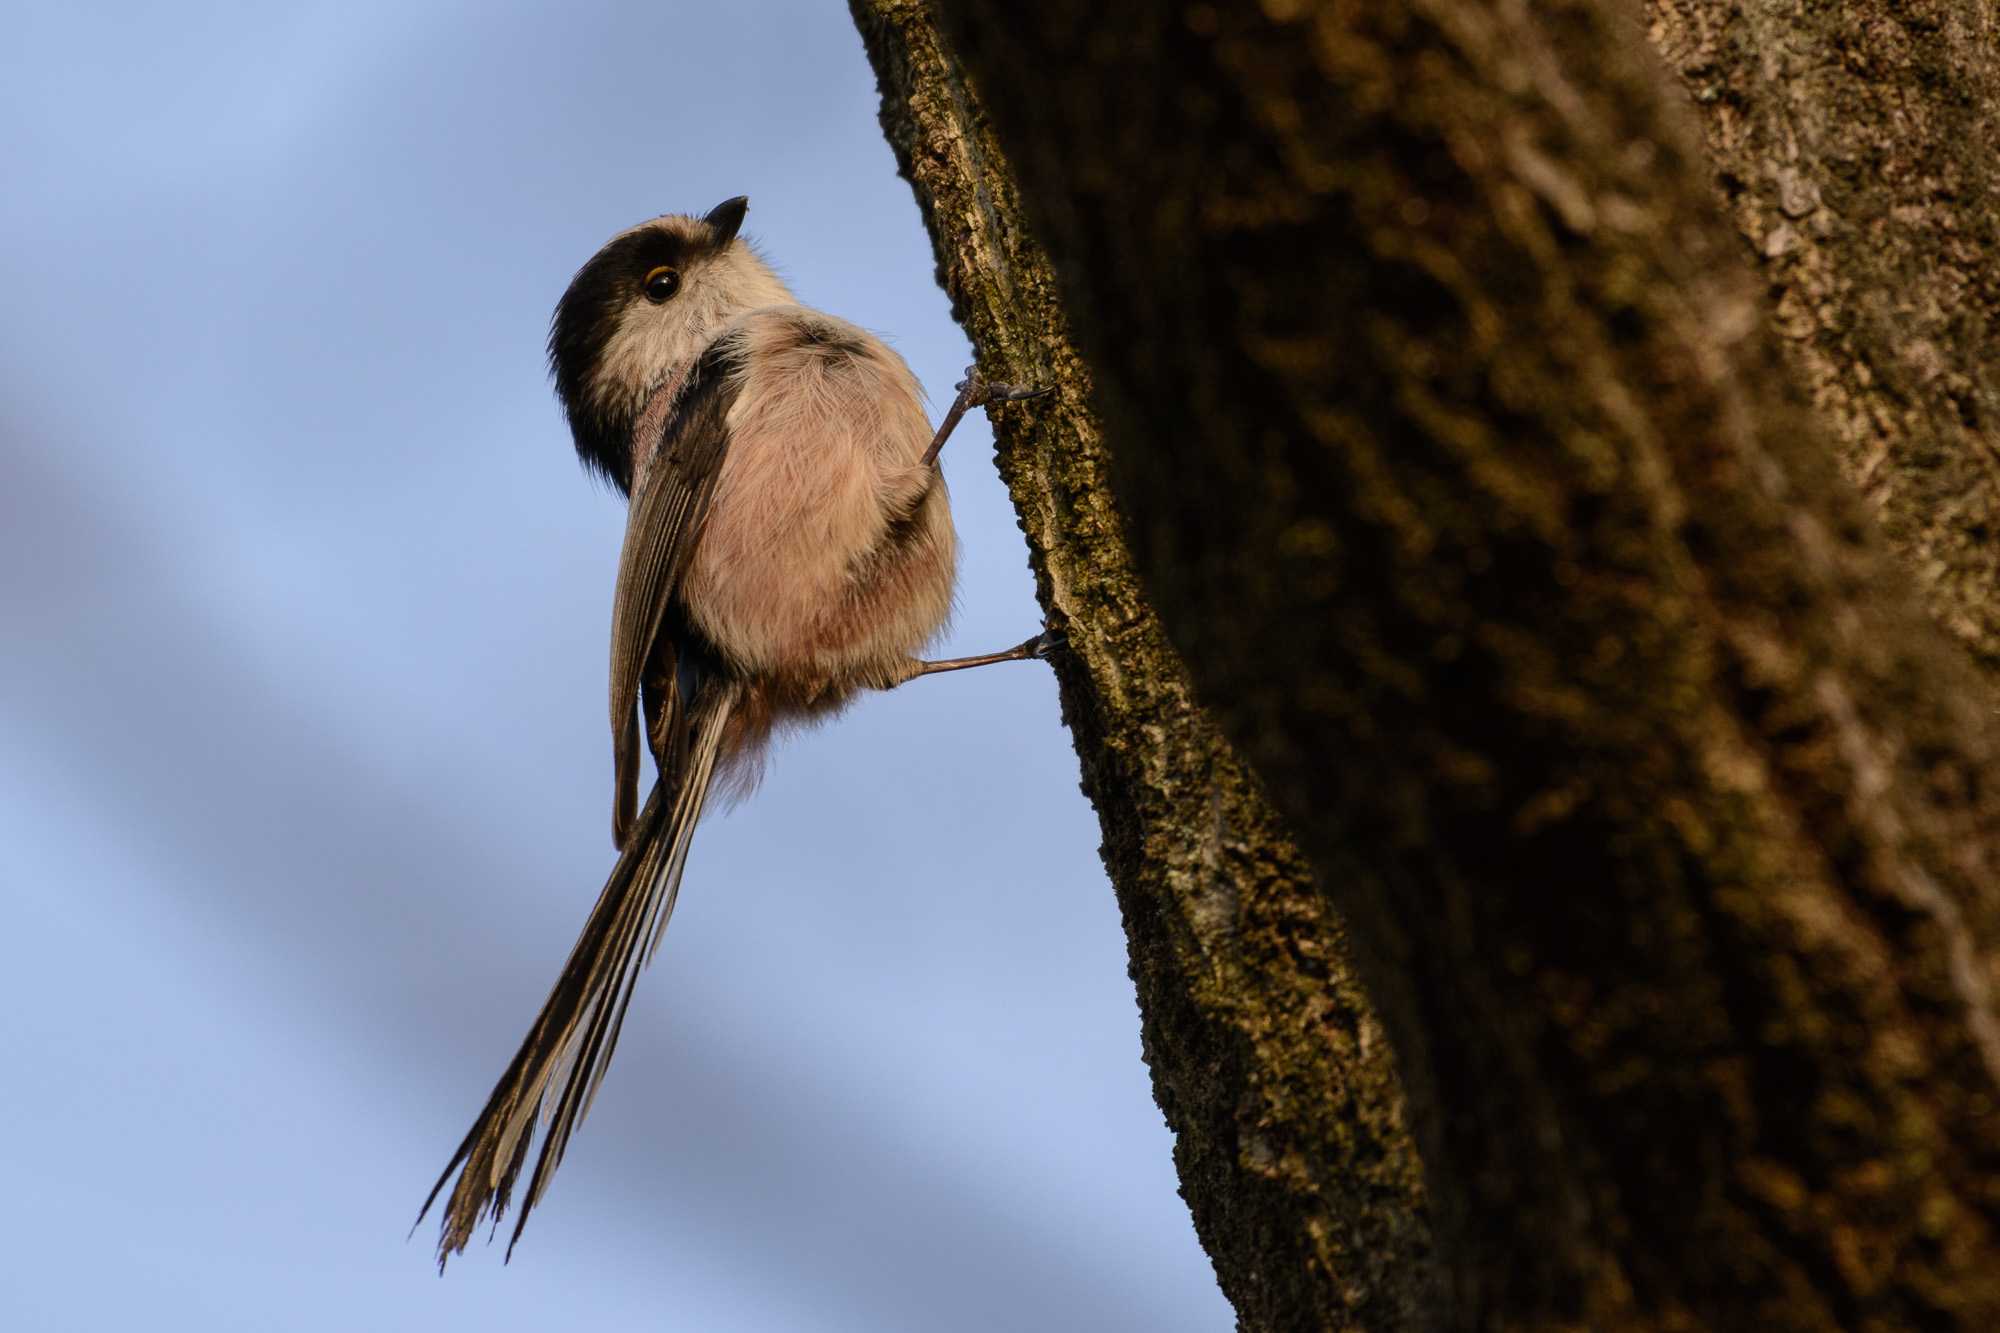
788,545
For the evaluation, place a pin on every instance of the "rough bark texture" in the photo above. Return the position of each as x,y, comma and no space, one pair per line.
1272,1070
1858,147
1469,479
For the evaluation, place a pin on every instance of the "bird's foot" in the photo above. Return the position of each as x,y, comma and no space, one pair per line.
1041,648
976,391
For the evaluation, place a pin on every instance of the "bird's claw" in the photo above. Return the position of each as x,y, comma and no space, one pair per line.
979,392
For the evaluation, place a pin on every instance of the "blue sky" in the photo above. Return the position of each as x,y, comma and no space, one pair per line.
304,775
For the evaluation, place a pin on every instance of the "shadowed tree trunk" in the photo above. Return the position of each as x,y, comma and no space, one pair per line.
1492,524
1272,1071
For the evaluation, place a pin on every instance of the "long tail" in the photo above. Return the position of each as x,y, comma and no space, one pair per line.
570,1045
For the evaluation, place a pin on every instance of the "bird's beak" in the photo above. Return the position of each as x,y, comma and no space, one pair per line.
726,217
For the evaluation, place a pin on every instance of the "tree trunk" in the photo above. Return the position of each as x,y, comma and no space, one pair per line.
1270,1066
1474,489
1858,149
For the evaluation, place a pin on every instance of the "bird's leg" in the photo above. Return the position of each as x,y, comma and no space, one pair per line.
1038,648
975,392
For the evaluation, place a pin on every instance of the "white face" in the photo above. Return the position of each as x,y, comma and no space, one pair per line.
673,313
642,311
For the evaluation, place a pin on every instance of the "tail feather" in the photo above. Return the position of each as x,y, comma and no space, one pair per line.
570,1045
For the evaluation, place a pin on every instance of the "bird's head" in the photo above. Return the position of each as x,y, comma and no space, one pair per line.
640,313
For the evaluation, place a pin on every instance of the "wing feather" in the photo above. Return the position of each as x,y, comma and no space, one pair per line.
670,494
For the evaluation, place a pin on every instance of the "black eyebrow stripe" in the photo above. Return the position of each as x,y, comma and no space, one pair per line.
583,322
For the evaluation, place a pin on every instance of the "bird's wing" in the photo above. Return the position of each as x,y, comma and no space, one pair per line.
670,492
555,1074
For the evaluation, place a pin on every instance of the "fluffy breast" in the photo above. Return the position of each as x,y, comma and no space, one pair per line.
828,553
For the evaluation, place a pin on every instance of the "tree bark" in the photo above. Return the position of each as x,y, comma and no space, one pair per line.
1855,145
1475,491
1268,1063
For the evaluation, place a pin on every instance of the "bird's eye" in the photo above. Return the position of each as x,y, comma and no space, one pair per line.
662,283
